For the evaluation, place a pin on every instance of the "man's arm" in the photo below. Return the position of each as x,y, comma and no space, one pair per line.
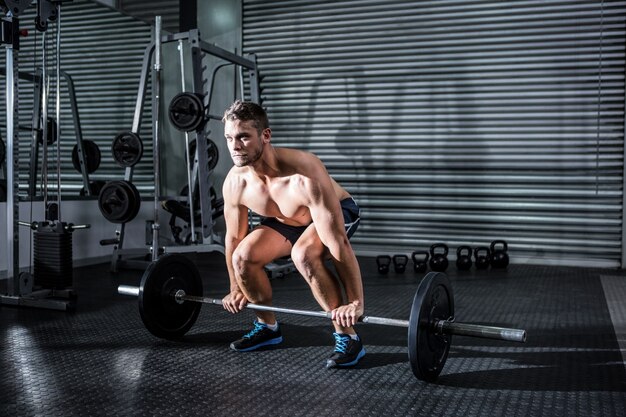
329,223
236,219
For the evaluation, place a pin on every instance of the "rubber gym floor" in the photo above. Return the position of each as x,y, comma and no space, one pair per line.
101,361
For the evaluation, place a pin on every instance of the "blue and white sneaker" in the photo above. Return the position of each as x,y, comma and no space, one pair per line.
258,337
347,352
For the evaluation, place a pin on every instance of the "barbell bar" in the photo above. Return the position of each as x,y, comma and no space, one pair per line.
180,297
170,296
439,326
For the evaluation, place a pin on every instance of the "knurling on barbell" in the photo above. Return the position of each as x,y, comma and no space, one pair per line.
170,297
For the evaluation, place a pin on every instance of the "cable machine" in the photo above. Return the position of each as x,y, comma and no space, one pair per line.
53,263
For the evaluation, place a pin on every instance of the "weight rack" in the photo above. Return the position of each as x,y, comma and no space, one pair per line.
210,243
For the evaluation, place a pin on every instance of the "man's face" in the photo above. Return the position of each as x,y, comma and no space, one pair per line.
245,144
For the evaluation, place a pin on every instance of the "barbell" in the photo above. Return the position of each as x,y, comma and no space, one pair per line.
170,297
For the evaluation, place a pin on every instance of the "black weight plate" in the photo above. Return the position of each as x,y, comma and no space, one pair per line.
3,151
428,350
186,111
127,149
119,201
135,201
96,187
52,132
92,156
213,154
3,190
162,315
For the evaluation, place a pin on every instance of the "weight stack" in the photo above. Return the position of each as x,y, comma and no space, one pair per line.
53,267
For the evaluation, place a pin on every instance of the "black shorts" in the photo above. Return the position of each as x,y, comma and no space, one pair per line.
351,219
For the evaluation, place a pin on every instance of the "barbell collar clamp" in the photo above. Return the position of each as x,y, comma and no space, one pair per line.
128,290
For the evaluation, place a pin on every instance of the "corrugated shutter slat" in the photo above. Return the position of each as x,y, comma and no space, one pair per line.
457,121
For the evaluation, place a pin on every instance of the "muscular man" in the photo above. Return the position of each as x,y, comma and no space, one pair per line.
307,215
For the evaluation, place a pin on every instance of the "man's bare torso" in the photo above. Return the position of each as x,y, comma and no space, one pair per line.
282,194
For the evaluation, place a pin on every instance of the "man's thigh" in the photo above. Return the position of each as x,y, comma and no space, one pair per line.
263,245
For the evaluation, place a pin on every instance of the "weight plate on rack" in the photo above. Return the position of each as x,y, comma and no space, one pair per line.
186,111
127,149
96,187
3,151
52,132
119,201
213,154
92,156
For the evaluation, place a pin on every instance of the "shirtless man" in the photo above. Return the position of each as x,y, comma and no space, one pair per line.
307,216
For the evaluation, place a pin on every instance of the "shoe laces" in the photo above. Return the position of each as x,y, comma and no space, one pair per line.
341,343
257,328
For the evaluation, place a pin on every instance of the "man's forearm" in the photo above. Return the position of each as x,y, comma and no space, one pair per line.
228,253
350,275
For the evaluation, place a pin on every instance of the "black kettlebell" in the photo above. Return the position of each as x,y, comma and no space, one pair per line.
439,257
482,257
399,263
463,258
420,261
383,262
499,255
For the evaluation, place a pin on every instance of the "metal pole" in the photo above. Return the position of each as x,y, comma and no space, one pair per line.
189,182
156,122
477,330
58,110
12,237
44,114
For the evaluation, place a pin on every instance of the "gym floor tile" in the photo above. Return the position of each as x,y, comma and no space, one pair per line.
101,361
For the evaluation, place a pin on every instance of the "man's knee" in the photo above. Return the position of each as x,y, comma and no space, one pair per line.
307,259
245,262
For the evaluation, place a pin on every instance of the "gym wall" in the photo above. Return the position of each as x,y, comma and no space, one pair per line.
457,121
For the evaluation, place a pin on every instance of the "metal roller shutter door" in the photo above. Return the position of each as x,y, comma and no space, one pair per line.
457,121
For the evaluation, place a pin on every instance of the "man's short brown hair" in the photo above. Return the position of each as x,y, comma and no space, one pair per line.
247,110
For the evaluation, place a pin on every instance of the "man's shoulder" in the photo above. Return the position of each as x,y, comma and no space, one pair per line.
235,179
299,159
290,153
235,172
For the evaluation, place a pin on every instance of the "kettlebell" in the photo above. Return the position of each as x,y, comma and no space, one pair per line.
499,256
383,262
399,263
420,261
439,261
463,258
482,257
